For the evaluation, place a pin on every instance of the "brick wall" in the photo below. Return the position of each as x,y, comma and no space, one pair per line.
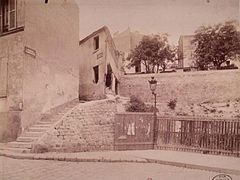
189,87
87,127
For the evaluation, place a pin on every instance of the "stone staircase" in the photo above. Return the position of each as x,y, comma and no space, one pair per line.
23,143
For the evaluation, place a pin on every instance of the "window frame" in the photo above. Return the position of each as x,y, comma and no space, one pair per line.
96,43
1,17
6,26
10,11
96,74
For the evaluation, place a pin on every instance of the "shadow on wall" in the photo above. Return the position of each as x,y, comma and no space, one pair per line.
10,126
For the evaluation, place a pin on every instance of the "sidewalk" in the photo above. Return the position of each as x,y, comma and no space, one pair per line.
221,164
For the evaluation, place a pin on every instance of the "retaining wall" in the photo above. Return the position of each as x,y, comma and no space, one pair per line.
88,127
187,87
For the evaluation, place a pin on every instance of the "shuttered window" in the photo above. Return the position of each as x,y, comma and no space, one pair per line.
11,15
1,17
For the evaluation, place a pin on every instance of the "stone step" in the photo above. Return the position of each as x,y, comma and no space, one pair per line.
26,139
37,129
42,125
17,150
15,144
32,134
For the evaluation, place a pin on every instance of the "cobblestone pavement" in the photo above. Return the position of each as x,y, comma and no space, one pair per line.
13,169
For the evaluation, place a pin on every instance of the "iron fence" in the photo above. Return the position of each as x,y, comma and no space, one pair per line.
206,135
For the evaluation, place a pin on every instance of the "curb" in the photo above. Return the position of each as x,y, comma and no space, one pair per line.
67,159
194,166
106,160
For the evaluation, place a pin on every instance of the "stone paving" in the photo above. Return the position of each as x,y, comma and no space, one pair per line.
214,163
13,169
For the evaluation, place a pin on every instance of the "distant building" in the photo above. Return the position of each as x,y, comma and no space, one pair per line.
125,42
39,60
100,65
186,52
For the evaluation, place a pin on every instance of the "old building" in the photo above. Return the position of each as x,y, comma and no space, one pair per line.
125,42
39,60
186,52
99,65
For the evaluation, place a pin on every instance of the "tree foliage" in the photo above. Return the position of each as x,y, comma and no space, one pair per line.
153,52
216,44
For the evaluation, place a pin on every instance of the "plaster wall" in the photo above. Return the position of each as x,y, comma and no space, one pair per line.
11,52
42,63
105,55
51,67
88,88
187,49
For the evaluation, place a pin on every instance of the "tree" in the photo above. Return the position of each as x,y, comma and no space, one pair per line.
153,52
216,44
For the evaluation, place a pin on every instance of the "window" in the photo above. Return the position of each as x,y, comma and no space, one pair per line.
96,74
12,14
96,42
9,9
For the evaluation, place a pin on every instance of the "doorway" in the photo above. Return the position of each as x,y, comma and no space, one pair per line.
109,77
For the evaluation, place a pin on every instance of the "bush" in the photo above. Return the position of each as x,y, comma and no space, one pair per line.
172,104
137,105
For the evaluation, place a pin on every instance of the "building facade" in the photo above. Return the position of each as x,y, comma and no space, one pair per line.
99,65
39,60
125,42
186,52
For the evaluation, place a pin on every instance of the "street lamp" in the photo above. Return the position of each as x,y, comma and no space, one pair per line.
153,87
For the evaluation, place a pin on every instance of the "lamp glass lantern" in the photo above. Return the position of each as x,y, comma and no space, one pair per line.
153,84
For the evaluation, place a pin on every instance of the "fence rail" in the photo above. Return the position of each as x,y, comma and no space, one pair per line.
215,136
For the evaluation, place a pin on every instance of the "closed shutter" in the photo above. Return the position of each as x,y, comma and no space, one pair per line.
12,14
20,13
5,15
1,17
3,77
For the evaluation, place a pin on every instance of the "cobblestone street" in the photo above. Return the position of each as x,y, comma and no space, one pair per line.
12,169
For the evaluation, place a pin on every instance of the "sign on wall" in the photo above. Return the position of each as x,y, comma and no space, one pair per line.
133,131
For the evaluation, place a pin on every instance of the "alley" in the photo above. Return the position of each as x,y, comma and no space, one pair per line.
13,169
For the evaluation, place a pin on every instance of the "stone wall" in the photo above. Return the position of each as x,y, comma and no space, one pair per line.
187,88
87,127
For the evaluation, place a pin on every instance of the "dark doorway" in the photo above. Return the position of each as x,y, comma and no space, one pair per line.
96,74
109,76
116,86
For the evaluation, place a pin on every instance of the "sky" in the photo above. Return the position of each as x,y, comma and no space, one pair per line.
175,17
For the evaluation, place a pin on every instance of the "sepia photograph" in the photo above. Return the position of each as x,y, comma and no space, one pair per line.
119,89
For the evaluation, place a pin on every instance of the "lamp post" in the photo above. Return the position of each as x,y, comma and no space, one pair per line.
153,87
